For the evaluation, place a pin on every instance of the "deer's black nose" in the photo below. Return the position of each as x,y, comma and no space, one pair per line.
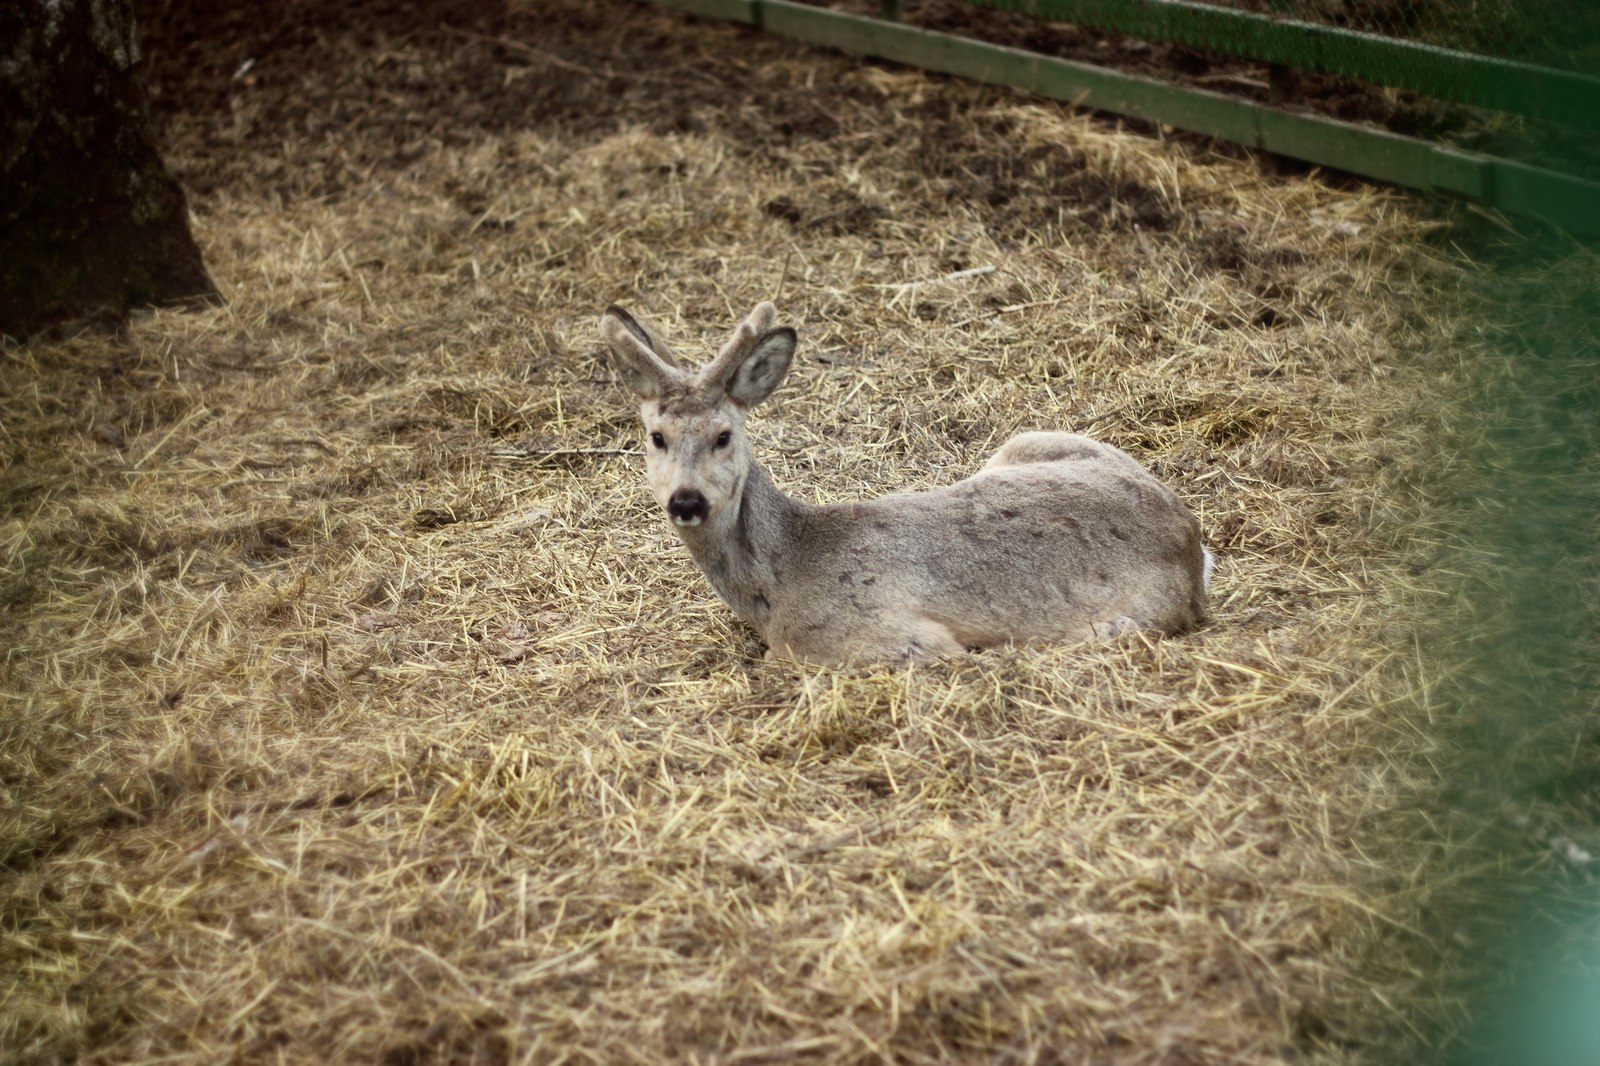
688,507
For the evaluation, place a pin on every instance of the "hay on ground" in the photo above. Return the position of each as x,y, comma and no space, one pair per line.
361,706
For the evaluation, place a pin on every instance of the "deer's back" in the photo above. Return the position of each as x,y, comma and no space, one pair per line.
1056,536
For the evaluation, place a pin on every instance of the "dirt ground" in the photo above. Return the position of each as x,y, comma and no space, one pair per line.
361,706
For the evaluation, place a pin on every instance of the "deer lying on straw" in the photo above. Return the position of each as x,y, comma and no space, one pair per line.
1057,537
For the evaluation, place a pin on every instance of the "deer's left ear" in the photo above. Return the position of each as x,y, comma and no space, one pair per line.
763,367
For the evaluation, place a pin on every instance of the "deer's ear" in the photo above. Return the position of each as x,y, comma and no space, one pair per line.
763,368
645,334
635,356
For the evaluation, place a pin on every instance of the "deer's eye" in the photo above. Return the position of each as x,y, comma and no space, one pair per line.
658,440
723,438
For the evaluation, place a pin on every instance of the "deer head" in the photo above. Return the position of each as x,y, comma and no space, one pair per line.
697,455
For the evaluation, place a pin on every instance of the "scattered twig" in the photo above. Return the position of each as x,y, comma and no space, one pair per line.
1011,309
783,277
577,68
906,288
547,453
1101,417
529,50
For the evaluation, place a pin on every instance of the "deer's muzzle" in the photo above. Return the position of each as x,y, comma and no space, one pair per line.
688,507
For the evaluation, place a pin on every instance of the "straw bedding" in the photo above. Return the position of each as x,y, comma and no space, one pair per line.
361,706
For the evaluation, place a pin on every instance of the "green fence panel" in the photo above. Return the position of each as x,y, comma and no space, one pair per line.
1562,96
1564,200
1465,77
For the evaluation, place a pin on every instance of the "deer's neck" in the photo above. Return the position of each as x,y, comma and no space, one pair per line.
739,549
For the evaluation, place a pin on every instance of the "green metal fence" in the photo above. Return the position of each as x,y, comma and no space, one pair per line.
1558,33
1294,36
1544,116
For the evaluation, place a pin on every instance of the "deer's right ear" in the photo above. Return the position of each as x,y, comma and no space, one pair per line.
637,354
646,335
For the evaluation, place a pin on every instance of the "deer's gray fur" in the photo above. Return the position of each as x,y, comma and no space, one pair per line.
1058,536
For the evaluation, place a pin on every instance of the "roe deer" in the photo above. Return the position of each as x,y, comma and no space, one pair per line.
1057,537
